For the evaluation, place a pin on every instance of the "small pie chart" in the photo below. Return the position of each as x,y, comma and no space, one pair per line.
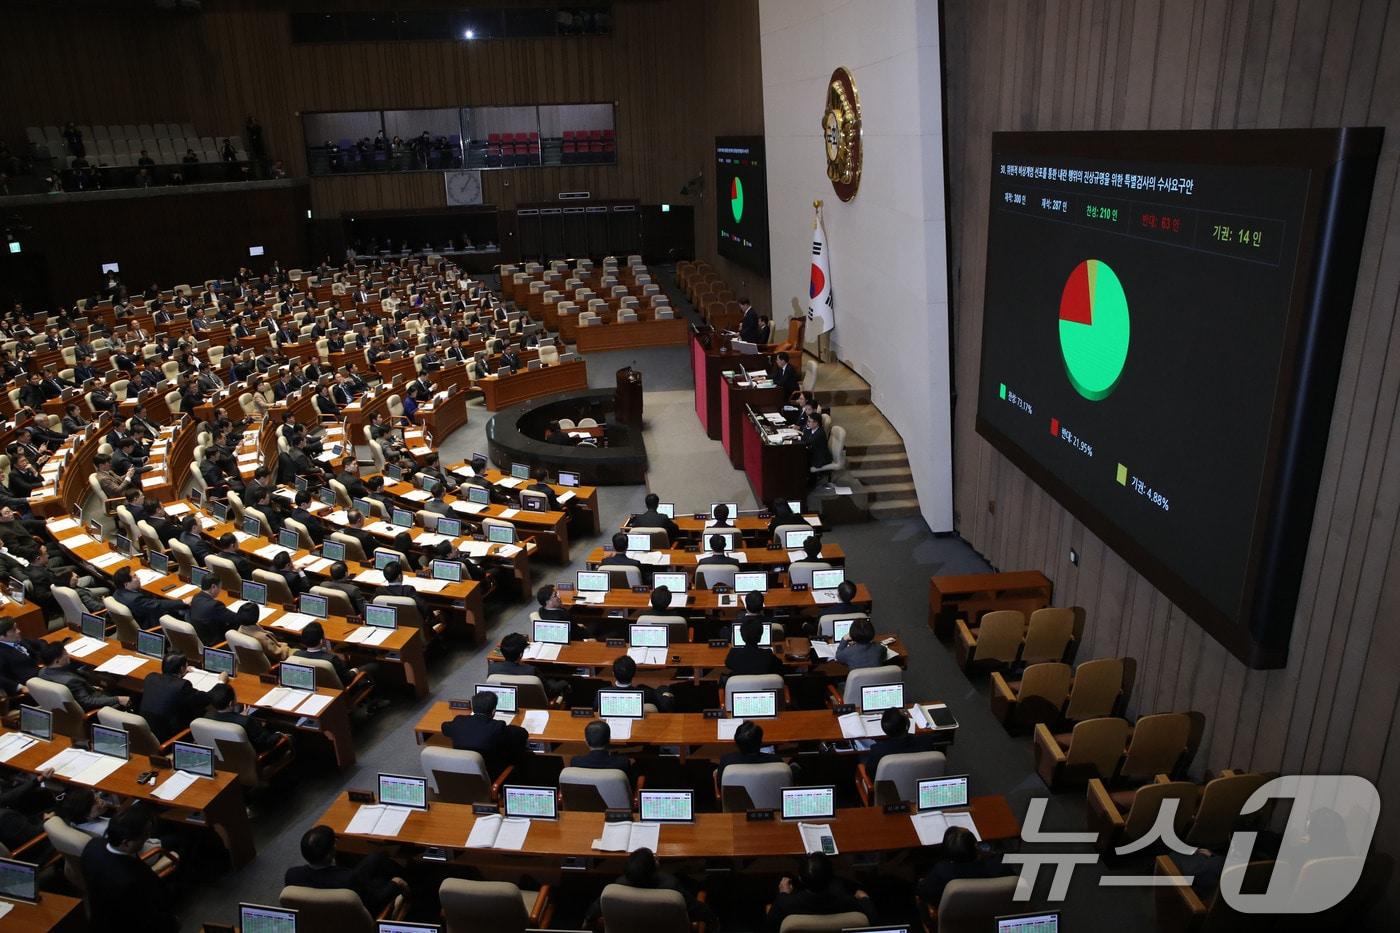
1094,329
736,198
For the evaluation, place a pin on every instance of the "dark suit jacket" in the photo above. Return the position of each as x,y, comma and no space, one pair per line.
197,545
351,591
83,692
657,520
834,900
899,745
787,379
752,659
741,758
368,879
125,892
603,761
311,522
262,737
146,609
170,703
210,618
342,670
499,744
18,663
748,326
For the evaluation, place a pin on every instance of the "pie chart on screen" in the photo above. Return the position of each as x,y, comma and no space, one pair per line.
736,198
1094,329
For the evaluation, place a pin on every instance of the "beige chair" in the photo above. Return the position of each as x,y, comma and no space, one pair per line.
801,571
224,569
1092,749
142,739
1101,687
679,626
1122,817
823,923
1037,697
595,789
149,538
278,592
739,683
866,677
335,910
68,717
182,638
122,620
495,906
997,641
754,787
1049,634
460,776
248,653
549,354
234,753
337,601
897,777
529,689
970,905
184,558
70,604
643,910
96,486
708,575
1161,743
68,842
353,550
1219,808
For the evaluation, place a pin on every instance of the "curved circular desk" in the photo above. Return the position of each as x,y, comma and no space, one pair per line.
515,435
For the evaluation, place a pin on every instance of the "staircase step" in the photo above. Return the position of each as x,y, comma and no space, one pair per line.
884,477
861,450
877,461
894,508
891,491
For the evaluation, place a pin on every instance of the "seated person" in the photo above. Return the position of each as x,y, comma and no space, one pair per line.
339,581
58,668
512,647
374,878
652,518
247,617
751,657
749,740
295,579
717,555
618,557
846,600
121,888
20,658
225,708
962,858
625,670
721,518
817,891
598,735
315,647
541,485
642,871
211,618
858,648
499,744
169,702
898,740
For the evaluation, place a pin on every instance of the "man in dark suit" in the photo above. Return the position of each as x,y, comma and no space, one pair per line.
814,439
786,375
510,360
619,558
352,592
302,514
19,658
169,701
58,669
144,608
895,724
751,657
224,708
192,539
717,555
350,478
211,618
748,324
749,740
121,888
818,891
625,671
354,528
541,485
315,647
499,744
373,878
394,586
512,647
228,550
598,735
652,518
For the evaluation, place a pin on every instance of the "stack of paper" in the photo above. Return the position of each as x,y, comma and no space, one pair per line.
497,832
725,728
426,586
293,621
823,596
817,837
591,599
269,551
313,564
12,743
145,576
372,577
621,729
177,508
647,655
509,513
121,665
82,767
84,646
508,482
535,721
239,536
378,820
508,550
628,837
263,611
369,635
202,680
174,786
79,540
108,559
565,496
826,651
474,548
64,524
430,539
542,651
853,726
932,824
470,508
416,495
183,592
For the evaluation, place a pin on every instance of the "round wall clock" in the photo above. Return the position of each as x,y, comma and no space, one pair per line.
841,134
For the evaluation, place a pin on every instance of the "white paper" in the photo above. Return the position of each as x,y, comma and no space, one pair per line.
377,820
202,680
416,495
12,743
826,651
84,646
62,524
512,834
177,508
430,539
823,596
535,721
121,665
5,907
382,528
795,556
470,508
293,621
508,513
369,635
269,551
314,704
814,520
932,824
474,548
484,831
153,480
145,576
174,786
313,564
372,577
79,540
426,586
508,550
184,591
99,770
725,728
812,835
854,727
565,496
647,655
108,559
542,651
509,482
621,729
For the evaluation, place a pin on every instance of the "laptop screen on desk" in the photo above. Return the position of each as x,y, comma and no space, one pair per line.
449,527
449,570
312,605
297,676
251,526
219,510
675,582
151,644
538,803
383,557
500,534
736,636
289,539
649,636
876,698
636,542
19,881
196,759
403,518
1030,923
93,626
667,508
219,661
255,918
808,803
936,793
400,790
731,539
666,806
36,722
751,581
382,616
121,544
841,628
754,704
520,470
733,509
255,593
828,579
478,494
333,550
506,701
568,479
109,741
794,540
158,561
621,704
592,581
550,632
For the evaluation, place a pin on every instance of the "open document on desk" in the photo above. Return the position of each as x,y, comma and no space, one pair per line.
817,837
82,767
376,819
497,832
628,837
932,824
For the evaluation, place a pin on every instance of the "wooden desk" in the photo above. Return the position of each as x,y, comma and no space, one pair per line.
762,558
970,595
712,835
215,802
501,391
584,499
750,527
735,399
443,416
638,333
698,656
707,366
775,471
550,530
54,913
707,601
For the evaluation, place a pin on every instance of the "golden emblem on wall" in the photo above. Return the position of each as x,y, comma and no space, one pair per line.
841,134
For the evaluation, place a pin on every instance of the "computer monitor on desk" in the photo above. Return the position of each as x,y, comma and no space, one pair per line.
1048,922
796,539
251,526
289,539
258,918
220,661
382,616
754,704
448,570
151,644
479,494
310,604
506,701
297,676
449,527
732,506
947,791
731,539
751,581
636,542
841,629
500,534
402,790
36,722
621,704
674,581
736,636
535,803
809,803
876,698
568,479
19,881
550,631
255,593
828,579
333,550
112,742
94,626
193,759
667,508
592,581
649,636
666,806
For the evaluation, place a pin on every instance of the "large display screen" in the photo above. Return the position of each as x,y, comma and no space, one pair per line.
741,200
1162,331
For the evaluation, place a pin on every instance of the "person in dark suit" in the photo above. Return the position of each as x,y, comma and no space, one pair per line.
169,701
814,439
121,888
497,743
859,648
748,324
846,599
751,657
394,586
721,516
192,539
541,485
598,735
898,740
315,647
354,528
512,647
19,658
717,555
301,513
625,671
786,375
642,871
211,618
58,669
652,518
373,878
295,579
961,859
619,558
748,738
228,550
338,581
223,703
817,891
555,434
350,478
144,608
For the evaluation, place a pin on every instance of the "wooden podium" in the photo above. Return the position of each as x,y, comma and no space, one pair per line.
628,401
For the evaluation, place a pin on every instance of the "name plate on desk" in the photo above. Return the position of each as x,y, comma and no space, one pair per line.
563,587
484,809
360,796
581,712
718,643
841,709
799,587
641,589
760,816
713,713
616,642
901,807
617,816
459,704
